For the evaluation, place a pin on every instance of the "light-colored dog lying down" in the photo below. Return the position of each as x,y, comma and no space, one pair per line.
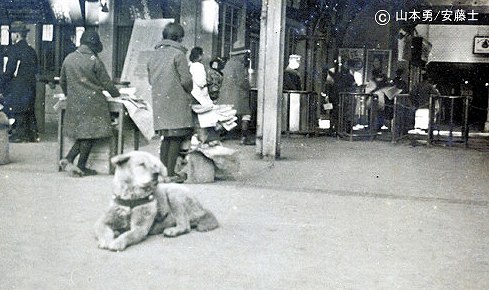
143,205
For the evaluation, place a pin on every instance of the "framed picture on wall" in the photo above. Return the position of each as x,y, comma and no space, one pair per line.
378,59
481,45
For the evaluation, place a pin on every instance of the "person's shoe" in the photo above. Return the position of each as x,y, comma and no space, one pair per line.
176,179
88,172
35,139
69,167
15,139
246,141
215,143
63,163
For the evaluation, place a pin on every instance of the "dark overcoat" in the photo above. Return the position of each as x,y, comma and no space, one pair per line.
19,80
292,80
171,84
235,89
83,78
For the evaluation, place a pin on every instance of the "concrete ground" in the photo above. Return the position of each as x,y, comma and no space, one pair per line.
330,214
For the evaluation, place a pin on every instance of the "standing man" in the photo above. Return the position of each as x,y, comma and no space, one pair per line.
235,91
171,84
19,85
292,78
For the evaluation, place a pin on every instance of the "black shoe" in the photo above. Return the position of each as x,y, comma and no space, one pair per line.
35,139
177,179
69,167
246,141
18,140
88,172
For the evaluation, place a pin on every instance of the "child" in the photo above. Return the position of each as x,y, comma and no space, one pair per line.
214,77
199,90
199,77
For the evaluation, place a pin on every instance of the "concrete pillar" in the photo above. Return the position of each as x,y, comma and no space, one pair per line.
270,78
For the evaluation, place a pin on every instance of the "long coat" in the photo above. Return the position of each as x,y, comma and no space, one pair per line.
83,78
171,84
235,87
19,80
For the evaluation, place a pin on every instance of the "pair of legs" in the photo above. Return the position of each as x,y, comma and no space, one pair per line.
24,128
171,147
245,130
81,148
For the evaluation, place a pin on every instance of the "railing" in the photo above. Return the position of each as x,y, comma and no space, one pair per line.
299,111
434,118
357,115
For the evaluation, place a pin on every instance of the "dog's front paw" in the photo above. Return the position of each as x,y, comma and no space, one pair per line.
172,232
103,244
117,245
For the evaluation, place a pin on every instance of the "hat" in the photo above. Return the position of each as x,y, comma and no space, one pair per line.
18,26
91,39
295,57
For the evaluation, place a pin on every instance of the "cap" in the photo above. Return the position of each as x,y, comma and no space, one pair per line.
18,26
295,57
92,40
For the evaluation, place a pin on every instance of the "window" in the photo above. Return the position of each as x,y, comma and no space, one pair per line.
230,20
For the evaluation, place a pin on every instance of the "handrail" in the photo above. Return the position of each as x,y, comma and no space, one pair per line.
453,97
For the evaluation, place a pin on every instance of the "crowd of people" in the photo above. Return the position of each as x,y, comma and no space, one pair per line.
176,82
342,81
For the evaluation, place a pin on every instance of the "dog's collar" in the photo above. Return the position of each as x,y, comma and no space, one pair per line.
132,203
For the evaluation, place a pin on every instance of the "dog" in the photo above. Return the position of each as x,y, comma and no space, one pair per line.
144,204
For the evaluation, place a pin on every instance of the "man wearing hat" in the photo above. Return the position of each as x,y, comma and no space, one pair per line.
18,85
292,79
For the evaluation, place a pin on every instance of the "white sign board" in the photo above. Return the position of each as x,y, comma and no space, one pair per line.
145,35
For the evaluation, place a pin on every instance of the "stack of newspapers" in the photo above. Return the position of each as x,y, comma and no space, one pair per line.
215,115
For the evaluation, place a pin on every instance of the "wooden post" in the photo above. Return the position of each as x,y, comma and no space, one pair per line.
486,125
107,33
270,77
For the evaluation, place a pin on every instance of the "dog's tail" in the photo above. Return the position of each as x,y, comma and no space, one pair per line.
207,222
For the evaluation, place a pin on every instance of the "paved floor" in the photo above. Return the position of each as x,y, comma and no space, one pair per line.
329,215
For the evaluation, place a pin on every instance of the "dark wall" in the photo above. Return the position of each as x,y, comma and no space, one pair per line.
452,77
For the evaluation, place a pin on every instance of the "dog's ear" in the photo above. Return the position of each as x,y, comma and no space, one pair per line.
155,165
120,159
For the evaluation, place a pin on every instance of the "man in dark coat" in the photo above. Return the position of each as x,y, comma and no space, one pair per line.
292,79
343,82
171,84
19,85
83,80
235,91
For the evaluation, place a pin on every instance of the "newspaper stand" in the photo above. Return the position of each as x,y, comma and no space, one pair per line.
300,112
357,115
